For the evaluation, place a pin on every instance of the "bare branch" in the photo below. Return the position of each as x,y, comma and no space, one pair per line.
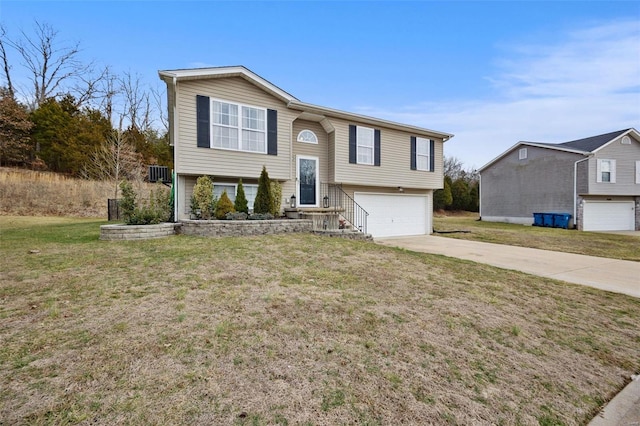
5,60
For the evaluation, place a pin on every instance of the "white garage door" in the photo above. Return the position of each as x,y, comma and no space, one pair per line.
608,216
393,215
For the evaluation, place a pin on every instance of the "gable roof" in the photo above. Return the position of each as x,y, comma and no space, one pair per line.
594,142
171,76
583,146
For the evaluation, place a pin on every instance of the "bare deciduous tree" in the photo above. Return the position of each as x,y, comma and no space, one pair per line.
5,61
114,160
54,69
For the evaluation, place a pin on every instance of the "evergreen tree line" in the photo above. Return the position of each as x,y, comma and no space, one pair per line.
461,188
72,117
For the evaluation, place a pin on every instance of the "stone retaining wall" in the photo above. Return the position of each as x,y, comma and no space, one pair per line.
233,228
136,232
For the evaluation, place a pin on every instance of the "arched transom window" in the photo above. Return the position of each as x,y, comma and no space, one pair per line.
307,136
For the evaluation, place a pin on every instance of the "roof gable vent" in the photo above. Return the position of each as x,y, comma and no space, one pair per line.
626,140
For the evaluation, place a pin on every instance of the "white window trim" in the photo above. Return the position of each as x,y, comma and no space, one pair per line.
235,189
522,154
427,155
239,127
300,138
612,171
626,140
638,172
372,147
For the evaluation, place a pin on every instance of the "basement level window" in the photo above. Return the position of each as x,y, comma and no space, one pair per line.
522,154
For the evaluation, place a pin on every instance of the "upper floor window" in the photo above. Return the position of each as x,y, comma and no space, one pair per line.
423,149
307,136
364,145
239,127
606,171
230,125
522,154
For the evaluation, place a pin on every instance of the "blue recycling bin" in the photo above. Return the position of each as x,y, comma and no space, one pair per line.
547,219
561,220
537,219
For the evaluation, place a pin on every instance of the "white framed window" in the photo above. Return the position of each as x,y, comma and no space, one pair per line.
307,136
250,191
638,172
626,140
606,171
522,154
364,145
423,148
238,127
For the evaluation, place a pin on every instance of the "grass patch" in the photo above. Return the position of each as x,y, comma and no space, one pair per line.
613,246
293,329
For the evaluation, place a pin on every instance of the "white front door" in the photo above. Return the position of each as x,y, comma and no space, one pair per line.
308,187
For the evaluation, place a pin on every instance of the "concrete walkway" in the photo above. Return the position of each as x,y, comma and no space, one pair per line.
619,276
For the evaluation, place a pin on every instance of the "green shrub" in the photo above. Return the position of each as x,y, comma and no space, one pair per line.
236,216
203,197
156,209
241,204
224,206
128,201
260,216
263,201
276,198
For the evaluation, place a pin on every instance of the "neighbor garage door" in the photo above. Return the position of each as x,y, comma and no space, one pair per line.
393,215
608,216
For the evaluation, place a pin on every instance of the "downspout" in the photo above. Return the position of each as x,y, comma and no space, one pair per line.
575,190
176,200
480,196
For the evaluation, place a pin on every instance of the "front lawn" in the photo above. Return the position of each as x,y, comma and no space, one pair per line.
614,246
294,329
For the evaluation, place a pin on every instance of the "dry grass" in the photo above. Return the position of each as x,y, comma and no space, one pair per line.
293,329
31,193
598,244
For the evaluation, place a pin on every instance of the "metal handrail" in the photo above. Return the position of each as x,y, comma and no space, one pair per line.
333,195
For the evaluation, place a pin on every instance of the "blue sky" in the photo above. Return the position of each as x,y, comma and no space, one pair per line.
492,73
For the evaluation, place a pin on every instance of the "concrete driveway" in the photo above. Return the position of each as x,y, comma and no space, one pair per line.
618,276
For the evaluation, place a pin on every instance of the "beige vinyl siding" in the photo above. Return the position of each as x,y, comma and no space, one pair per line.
319,150
395,161
351,189
625,157
194,160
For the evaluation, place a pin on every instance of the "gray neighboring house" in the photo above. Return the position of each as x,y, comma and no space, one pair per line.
596,180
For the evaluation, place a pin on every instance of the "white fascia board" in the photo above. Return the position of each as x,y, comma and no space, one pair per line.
633,132
219,72
330,112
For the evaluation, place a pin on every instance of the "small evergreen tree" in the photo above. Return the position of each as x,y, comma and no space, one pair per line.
263,201
442,198
128,202
203,197
241,204
224,206
276,198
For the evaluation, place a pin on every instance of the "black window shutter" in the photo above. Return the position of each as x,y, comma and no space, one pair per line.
272,132
432,160
376,147
413,153
352,144
203,128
